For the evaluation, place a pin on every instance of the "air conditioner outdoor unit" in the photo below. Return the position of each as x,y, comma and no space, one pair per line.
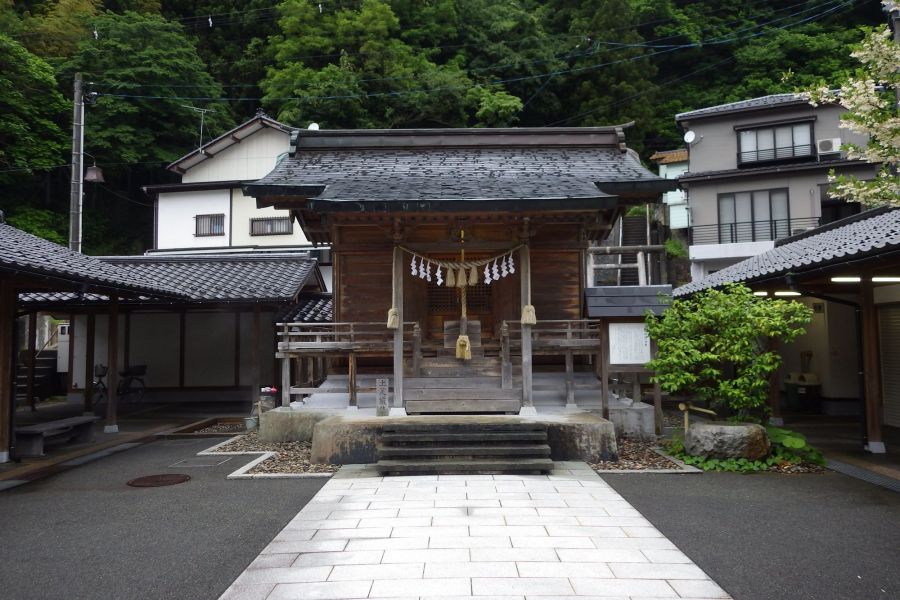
828,146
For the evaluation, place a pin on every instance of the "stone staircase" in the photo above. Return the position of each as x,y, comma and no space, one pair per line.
44,378
463,445
446,384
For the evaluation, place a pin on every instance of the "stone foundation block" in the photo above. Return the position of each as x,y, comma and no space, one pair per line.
727,440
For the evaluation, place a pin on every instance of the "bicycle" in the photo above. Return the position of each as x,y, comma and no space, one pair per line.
130,388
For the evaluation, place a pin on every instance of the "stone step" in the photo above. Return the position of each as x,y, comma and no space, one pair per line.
461,371
462,393
472,451
413,383
472,406
498,465
464,438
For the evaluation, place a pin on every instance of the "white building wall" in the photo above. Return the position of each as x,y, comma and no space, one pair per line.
251,158
175,218
244,209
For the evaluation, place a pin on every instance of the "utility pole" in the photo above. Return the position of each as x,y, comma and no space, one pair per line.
77,189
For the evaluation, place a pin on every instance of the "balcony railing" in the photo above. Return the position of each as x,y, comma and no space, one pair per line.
749,231
779,153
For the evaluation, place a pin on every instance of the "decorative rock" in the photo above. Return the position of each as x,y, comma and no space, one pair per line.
727,440
290,425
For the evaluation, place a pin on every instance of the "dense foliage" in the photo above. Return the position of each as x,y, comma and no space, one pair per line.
870,97
377,63
716,346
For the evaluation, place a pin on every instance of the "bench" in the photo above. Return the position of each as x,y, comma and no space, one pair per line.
30,439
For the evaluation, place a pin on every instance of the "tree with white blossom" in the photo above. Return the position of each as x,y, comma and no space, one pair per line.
871,103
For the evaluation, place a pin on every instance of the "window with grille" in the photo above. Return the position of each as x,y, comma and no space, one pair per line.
775,143
272,226
443,299
207,225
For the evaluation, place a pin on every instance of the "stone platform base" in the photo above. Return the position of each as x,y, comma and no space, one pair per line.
341,438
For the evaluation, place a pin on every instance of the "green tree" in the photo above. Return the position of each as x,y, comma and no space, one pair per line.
872,110
145,70
32,110
349,67
716,346
55,30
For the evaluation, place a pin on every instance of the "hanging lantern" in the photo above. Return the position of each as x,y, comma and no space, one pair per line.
94,175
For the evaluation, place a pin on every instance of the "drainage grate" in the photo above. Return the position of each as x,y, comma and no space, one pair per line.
865,475
159,480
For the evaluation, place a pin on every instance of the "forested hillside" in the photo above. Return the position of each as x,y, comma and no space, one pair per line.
369,63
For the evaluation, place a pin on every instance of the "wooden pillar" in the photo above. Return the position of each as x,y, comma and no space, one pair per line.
506,378
32,355
774,394
871,362
351,381
285,382
397,301
7,396
603,365
570,382
255,382
527,384
112,360
417,350
657,408
89,341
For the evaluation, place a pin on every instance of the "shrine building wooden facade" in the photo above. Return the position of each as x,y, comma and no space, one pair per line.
455,234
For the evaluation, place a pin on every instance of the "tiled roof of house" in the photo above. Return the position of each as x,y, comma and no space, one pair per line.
471,164
225,278
858,237
666,157
310,308
22,252
205,278
760,103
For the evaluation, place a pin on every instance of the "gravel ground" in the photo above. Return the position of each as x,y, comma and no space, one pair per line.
223,428
290,457
635,455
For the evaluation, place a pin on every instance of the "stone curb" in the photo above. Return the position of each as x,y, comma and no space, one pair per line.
242,473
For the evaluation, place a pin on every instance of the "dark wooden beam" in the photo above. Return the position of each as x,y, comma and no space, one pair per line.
89,343
7,396
32,353
112,361
255,382
871,362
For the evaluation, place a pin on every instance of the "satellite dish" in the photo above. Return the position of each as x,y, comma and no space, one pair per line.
313,127
689,137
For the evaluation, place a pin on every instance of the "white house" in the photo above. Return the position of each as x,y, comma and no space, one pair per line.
208,210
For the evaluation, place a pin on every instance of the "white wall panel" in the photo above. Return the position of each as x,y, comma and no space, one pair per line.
251,158
175,223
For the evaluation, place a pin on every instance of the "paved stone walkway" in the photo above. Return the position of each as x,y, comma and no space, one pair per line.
451,536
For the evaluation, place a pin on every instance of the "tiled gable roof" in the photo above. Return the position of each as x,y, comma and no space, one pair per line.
22,252
762,102
310,308
456,165
852,239
226,278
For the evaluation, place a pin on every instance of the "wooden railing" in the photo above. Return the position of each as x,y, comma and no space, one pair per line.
340,338
580,336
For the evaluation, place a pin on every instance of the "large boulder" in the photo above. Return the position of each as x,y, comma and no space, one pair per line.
288,425
581,436
727,440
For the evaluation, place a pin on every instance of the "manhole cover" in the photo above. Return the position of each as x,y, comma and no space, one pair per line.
159,480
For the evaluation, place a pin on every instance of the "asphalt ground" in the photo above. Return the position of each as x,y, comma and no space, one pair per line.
85,534
774,536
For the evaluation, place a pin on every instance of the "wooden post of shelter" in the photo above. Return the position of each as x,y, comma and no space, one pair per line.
255,382
397,302
351,380
7,327
603,366
32,356
871,362
774,394
89,341
112,361
527,384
